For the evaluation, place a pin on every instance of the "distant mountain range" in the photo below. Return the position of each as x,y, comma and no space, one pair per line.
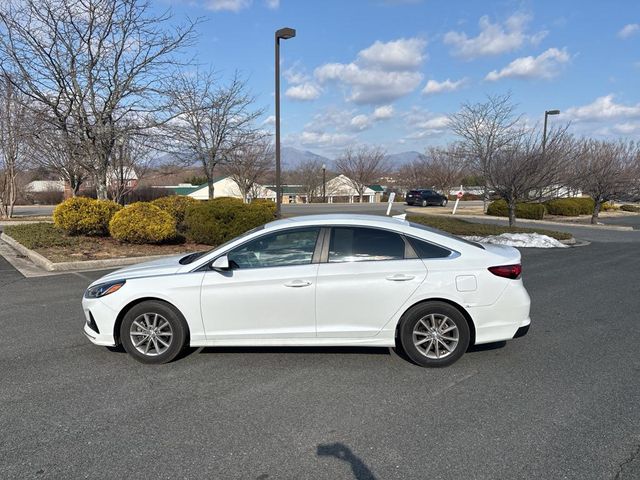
293,157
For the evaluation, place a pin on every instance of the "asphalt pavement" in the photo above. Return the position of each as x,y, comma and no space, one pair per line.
561,402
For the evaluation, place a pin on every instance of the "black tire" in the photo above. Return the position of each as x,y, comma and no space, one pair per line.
416,320
424,203
144,313
444,202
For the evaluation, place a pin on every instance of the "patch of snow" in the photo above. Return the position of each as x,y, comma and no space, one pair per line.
526,240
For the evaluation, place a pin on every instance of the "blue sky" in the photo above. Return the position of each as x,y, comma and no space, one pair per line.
387,72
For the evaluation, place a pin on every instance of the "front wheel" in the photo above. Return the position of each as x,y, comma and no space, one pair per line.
444,202
424,203
434,334
153,332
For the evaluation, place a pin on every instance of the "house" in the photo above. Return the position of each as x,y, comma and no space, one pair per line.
39,186
338,190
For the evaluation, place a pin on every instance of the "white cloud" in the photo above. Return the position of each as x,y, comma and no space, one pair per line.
384,112
401,54
303,92
321,139
422,124
545,65
361,122
629,30
603,108
433,86
381,73
228,5
627,128
270,120
494,38
272,4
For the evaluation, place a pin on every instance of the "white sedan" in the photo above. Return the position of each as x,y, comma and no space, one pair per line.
334,280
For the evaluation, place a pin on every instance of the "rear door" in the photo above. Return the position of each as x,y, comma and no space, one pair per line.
366,275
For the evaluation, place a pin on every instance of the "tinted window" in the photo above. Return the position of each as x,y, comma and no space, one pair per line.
292,247
428,250
364,244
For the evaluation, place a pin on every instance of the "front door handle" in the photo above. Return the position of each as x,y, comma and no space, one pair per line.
400,277
297,283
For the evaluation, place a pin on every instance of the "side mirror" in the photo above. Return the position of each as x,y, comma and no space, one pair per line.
220,263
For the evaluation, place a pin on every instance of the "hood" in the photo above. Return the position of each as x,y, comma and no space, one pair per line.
161,266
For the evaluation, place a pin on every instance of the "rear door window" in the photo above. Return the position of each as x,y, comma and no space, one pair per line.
359,244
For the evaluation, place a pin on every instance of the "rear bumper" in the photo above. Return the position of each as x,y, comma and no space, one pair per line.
507,318
522,331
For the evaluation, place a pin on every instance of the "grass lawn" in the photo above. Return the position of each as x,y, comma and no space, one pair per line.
457,226
55,245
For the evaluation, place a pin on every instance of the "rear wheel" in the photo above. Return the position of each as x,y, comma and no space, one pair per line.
153,332
424,203
434,334
444,202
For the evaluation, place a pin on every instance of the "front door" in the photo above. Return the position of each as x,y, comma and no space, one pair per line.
269,291
366,279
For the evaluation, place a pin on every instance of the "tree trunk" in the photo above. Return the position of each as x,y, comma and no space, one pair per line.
484,199
596,212
512,212
211,187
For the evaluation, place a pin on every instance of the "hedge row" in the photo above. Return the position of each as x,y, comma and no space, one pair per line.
211,222
533,211
569,207
630,208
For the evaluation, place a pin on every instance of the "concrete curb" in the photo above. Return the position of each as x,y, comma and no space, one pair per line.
526,220
83,265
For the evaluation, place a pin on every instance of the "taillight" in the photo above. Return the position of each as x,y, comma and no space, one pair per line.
507,271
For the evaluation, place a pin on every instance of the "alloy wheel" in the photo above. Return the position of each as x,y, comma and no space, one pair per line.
436,336
151,334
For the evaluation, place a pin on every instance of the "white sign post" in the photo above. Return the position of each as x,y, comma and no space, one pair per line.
458,197
392,197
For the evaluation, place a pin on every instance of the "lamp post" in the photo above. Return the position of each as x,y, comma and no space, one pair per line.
324,183
544,131
284,34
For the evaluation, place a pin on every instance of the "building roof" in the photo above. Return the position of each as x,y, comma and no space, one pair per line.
376,188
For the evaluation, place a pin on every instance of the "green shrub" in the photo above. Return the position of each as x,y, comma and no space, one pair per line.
40,235
609,206
533,211
214,222
176,206
570,207
630,208
85,216
142,222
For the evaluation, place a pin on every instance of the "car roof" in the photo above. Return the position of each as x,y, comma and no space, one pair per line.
337,219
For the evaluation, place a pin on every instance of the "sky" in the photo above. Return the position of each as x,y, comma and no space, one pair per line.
388,72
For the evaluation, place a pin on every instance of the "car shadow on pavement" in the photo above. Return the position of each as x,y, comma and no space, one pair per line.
305,350
342,452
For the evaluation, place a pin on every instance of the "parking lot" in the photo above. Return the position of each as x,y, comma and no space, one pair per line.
561,402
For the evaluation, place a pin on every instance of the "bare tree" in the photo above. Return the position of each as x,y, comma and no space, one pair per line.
129,162
607,169
91,64
13,143
362,167
444,167
308,175
522,170
414,174
484,129
58,153
248,165
211,121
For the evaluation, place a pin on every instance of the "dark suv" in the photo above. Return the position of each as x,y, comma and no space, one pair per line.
425,197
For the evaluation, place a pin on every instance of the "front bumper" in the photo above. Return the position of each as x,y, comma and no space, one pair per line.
99,322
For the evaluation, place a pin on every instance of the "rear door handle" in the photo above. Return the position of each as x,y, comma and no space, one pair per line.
297,283
400,277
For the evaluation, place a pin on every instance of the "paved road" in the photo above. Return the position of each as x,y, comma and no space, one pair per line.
561,402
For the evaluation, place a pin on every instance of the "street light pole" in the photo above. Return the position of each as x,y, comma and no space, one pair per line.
324,183
285,34
544,131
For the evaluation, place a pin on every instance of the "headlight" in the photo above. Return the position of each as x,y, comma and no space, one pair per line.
103,289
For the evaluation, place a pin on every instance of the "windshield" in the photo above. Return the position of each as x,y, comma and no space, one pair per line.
195,256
